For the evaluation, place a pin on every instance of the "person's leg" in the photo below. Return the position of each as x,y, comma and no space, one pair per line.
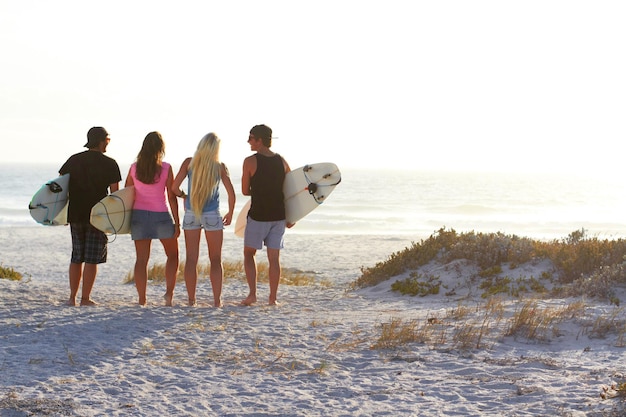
89,278
214,241
192,249
249,265
274,243
171,268
76,274
273,257
94,252
77,260
142,248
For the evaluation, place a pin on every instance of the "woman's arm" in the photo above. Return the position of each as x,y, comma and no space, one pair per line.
171,198
129,181
180,177
225,175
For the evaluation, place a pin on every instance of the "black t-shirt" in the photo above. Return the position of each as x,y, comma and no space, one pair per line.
91,173
266,187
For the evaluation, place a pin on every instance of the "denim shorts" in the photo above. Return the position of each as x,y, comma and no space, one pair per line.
151,225
258,233
210,221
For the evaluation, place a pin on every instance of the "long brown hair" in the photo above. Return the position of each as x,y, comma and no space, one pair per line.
150,157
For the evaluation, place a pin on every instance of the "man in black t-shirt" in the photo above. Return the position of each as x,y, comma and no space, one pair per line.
92,174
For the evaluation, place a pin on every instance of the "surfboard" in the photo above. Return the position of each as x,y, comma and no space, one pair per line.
113,213
242,219
305,189
49,204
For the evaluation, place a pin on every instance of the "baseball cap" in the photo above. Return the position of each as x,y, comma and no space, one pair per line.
95,135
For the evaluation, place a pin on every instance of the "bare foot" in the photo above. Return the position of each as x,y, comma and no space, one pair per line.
192,303
168,299
251,299
71,302
88,303
273,303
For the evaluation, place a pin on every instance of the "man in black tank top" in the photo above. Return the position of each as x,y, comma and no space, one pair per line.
262,178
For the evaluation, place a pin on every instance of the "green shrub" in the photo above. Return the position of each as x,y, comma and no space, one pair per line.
495,285
413,286
489,272
416,255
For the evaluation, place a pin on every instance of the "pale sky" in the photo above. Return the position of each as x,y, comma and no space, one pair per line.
487,85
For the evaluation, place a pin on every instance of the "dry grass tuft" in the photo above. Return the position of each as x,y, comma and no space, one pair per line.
234,270
398,333
348,342
482,326
10,274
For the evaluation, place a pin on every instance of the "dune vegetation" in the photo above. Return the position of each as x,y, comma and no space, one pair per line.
582,265
479,275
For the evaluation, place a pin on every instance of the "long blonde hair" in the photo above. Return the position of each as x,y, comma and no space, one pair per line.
205,167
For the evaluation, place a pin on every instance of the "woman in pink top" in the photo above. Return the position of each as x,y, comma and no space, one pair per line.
151,218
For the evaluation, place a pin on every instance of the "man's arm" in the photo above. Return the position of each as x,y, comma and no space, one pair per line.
249,168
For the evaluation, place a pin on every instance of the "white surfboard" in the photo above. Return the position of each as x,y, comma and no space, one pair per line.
113,213
307,187
304,188
242,219
49,205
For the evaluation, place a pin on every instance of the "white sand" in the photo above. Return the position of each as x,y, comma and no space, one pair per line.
310,356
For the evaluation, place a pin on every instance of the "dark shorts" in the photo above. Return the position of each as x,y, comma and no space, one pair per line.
89,244
151,225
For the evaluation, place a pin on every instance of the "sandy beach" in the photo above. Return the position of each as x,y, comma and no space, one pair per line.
314,355
491,117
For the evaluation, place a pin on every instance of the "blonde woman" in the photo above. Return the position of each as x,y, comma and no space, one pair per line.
151,219
204,172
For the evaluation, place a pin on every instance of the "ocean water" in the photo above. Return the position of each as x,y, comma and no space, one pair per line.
413,203
374,213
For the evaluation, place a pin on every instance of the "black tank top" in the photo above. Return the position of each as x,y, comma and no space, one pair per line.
266,187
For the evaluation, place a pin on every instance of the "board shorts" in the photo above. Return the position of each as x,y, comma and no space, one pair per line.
151,225
89,244
210,221
269,233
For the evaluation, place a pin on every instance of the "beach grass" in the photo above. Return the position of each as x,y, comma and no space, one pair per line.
10,274
234,270
482,327
582,265
582,268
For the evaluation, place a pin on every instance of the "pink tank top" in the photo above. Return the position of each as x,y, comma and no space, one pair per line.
150,197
